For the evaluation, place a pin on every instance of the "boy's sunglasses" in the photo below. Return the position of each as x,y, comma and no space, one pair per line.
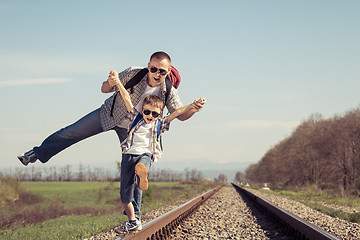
161,71
153,113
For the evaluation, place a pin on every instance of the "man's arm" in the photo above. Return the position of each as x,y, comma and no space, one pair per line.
108,85
106,88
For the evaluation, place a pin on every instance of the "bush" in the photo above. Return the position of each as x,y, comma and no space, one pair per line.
12,193
9,190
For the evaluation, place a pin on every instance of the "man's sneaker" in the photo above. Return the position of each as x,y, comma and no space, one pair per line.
28,157
128,227
141,176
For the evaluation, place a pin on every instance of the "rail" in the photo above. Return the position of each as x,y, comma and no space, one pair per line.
163,226
297,227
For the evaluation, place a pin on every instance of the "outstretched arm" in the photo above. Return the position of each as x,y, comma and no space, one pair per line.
188,114
113,80
187,111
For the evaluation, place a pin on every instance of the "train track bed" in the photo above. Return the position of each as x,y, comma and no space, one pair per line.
226,215
337,227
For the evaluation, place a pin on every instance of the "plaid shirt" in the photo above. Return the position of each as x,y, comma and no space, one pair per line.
156,149
119,112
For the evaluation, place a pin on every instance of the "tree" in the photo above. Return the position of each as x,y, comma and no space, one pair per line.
81,175
321,152
221,178
240,177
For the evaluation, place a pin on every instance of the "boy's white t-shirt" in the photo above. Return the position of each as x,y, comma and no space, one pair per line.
148,91
141,140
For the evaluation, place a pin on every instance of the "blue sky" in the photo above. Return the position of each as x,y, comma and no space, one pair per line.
264,66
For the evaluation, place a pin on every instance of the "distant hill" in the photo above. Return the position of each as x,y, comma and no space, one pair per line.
208,168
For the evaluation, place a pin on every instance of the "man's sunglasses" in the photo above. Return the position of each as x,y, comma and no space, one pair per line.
153,113
161,71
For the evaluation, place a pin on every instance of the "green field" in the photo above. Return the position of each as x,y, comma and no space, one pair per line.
76,210
75,193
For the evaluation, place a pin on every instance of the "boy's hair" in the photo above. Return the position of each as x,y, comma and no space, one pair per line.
154,101
161,55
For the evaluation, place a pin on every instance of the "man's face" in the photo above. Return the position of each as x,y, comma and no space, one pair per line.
158,70
150,113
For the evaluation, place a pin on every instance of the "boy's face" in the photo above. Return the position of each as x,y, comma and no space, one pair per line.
150,113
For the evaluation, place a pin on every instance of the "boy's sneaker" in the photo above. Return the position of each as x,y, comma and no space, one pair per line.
28,157
138,222
128,227
141,174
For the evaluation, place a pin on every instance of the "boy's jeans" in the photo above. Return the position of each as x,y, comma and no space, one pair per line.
86,127
129,191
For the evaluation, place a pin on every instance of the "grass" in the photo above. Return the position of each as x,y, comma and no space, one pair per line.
76,210
75,193
66,227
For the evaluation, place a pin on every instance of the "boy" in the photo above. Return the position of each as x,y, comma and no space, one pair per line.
140,148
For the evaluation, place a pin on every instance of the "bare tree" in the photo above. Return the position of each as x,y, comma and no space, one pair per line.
81,175
68,173
240,177
222,178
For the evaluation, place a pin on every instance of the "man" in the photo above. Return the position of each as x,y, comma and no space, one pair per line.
111,115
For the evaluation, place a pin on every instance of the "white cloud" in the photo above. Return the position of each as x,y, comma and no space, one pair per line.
50,65
262,124
33,81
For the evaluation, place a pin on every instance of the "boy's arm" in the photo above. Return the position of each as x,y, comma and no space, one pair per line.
187,110
114,81
188,114
109,85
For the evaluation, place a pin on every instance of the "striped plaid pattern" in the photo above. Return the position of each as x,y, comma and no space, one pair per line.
155,145
108,122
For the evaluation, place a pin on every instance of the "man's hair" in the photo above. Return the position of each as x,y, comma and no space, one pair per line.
161,55
154,101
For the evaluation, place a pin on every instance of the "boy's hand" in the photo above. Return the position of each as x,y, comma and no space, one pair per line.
198,104
113,78
201,101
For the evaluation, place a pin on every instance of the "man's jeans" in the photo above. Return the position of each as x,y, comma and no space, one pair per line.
86,127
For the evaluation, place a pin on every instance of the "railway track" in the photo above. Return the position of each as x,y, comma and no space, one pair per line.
296,227
163,226
275,222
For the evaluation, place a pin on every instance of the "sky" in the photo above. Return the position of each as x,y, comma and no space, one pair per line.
263,66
